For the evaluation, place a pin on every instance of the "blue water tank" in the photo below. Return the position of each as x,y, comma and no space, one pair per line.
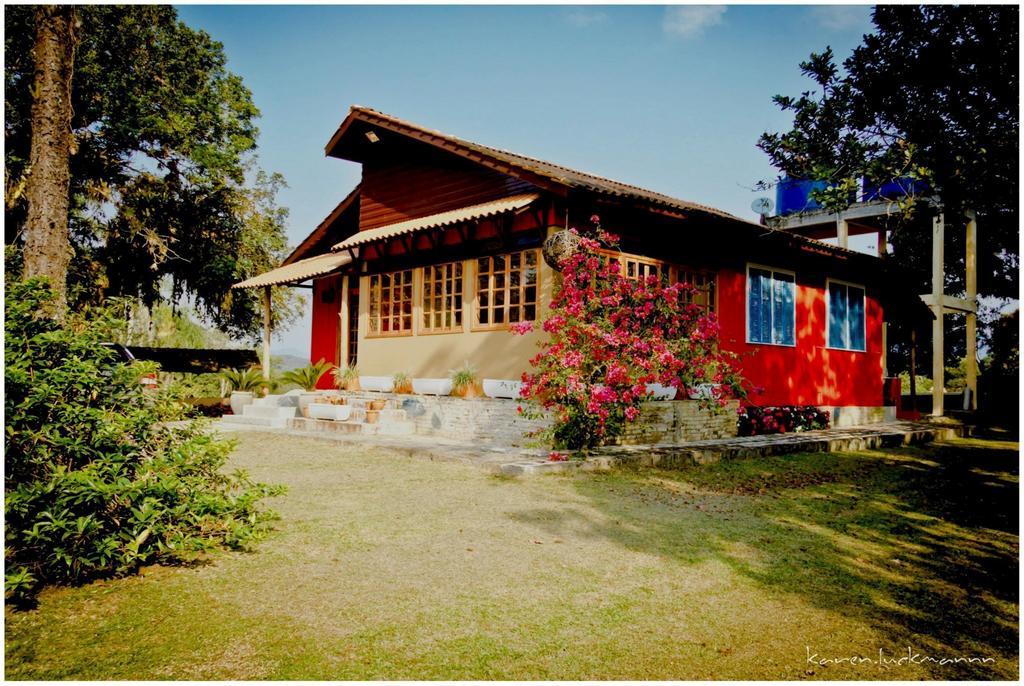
794,195
893,189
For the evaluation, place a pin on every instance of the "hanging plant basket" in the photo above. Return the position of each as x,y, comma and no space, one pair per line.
559,246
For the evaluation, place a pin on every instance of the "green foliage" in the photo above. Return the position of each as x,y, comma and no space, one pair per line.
246,380
96,482
931,94
307,377
163,180
463,377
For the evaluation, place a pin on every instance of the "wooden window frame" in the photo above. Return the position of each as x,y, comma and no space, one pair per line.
669,271
378,290
711,279
490,290
457,293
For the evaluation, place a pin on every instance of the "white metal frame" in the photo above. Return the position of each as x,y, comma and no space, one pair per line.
746,303
828,310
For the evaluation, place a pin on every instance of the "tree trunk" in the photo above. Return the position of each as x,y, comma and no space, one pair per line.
47,244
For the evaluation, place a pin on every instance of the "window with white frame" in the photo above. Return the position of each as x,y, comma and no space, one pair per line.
771,306
845,316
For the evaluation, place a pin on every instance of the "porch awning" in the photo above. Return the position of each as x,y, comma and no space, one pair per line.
297,271
487,209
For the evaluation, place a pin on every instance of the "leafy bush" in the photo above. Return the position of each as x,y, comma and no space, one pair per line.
610,336
96,481
307,377
755,421
245,380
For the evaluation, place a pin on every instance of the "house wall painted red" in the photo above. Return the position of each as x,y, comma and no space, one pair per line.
808,373
324,340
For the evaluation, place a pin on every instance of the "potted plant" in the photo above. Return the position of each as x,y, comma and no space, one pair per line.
376,405
242,384
347,378
307,378
465,381
330,407
402,383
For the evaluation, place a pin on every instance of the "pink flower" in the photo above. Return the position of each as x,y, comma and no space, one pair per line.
521,328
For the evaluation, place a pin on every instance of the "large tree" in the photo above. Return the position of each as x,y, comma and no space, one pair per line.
931,94
163,185
48,249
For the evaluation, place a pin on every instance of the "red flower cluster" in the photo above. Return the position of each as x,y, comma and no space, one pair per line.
754,421
611,336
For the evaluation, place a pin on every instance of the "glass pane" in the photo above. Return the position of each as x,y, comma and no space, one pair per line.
530,313
437,320
499,263
484,319
513,261
783,309
484,300
499,282
482,283
531,257
530,275
513,296
530,294
407,323
483,265
757,305
499,316
499,298
855,306
837,316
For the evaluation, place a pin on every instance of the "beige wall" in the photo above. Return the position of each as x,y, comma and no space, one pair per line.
496,354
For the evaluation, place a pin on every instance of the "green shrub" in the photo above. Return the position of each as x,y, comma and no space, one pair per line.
307,377
96,481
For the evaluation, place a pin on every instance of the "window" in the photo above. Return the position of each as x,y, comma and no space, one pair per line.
442,298
391,304
771,306
636,267
704,282
506,289
845,316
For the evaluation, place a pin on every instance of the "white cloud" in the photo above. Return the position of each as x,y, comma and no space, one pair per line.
688,21
842,17
583,16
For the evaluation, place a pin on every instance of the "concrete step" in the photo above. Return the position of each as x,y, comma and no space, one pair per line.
282,400
269,411
349,427
272,422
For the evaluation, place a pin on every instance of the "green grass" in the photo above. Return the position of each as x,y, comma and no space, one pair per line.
391,567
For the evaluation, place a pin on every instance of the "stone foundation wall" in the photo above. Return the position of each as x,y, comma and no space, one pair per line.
860,416
495,421
679,421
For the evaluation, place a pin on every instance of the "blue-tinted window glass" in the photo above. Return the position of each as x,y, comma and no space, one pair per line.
837,315
855,314
760,306
784,309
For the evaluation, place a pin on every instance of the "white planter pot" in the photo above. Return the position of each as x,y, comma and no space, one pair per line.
499,388
337,413
659,392
432,386
305,399
240,399
704,390
384,384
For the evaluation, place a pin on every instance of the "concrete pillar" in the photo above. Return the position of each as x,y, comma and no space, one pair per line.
842,232
971,282
266,332
938,287
343,323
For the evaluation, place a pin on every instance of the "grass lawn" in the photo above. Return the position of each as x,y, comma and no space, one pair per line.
392,567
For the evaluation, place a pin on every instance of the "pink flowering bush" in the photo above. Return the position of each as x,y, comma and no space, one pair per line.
608,337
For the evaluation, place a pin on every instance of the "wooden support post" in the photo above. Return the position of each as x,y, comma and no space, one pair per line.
913,368
842,232
343,323
883,242
938,287
266,332
971,283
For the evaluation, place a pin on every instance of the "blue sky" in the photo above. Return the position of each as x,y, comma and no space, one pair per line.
668,98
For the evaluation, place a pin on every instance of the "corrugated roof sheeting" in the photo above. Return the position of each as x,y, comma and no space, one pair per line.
487,209
298,271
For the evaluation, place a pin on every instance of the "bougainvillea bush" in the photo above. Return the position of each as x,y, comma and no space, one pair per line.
95,480
610,336
755,421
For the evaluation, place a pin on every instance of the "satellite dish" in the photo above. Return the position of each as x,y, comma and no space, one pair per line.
762,206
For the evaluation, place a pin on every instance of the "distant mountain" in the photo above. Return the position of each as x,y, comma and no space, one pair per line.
284,363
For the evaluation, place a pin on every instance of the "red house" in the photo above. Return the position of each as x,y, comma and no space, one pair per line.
425,264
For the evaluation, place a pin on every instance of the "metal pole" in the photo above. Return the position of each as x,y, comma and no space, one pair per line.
971,282
938,289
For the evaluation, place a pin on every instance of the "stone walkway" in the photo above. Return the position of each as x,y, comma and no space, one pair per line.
527,461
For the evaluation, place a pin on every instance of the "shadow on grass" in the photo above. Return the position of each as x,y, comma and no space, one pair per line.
920,543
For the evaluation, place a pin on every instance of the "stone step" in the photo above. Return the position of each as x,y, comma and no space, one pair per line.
350,427
272,422
269,411
283,400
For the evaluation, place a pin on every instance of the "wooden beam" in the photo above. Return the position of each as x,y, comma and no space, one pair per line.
971,284
938,285
950,303
266,332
